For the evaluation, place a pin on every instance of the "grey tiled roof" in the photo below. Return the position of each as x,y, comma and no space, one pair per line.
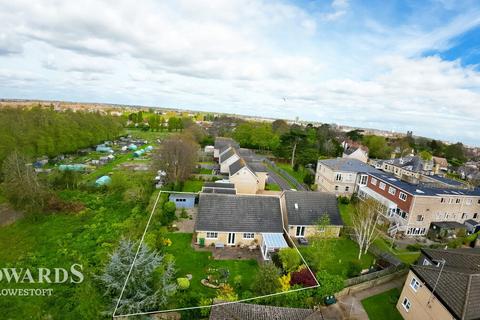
244,311
219,185
219,190
221,142
348,165
257,166
237,166
227,154
311,205
458,286
449,225
239,213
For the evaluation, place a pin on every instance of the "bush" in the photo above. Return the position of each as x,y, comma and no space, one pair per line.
168,213
354,268
470,238
329,284
266,280
290,259
227,293
455,243
183,214
303,277
183,283
285,282
414,247
343,200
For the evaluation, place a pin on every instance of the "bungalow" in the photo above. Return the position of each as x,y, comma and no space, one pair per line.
221,143
183,200
228,157
219,187
304,209
240,220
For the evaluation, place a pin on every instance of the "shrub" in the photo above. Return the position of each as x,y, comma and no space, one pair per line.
183,283
455,243
290,259
303,277
168,213
344,200
183,214
329,284
285,282
354,268
414,247
266,280
237,281
470,238
227,293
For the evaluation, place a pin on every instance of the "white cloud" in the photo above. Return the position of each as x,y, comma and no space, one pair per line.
242,57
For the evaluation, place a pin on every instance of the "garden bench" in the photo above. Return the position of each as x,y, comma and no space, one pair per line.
219,245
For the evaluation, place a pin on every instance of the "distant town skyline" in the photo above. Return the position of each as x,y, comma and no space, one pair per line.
397,66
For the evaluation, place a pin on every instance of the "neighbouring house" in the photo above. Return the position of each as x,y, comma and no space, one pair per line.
443,284
245,179
183,200
472,226
221,143
247,311
355,150
261,172
226,158
440,164
304,209
441,230
240,220
219,187
410,208
341,175
413,166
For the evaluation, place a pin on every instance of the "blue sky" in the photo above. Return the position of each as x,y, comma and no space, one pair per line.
395,65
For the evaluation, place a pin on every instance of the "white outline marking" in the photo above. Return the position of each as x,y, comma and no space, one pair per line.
201,307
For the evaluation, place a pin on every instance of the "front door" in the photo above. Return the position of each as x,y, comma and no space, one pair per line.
231,238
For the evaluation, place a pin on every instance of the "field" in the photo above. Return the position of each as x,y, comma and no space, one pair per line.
383,306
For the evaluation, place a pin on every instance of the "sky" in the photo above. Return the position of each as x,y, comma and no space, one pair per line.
393,65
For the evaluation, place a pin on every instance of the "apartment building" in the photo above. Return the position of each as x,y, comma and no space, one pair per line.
411,208
413,166
341,175
443,285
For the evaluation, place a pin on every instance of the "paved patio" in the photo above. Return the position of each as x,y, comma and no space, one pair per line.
186,225
231,253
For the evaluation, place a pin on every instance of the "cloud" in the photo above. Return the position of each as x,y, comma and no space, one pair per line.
367,69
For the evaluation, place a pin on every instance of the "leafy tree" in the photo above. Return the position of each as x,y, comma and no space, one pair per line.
364,223
266,280
377,146
143,291
455,153
280,127
168,212
355,135
309,179
425,155
290,259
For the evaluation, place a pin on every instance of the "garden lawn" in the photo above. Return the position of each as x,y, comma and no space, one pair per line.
150,136
192,186
383,306
406,256
196,263
336,256
346,213
298,175
272,187
205,171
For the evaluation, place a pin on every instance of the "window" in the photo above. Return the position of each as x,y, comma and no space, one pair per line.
442,200
450,200
338,177
392,190
212,235
347,188
464,216
300,231
475,215
406,304
248,235
420,217
414,284
382,185
403,196
426,262
457,201
468,202
336,188
374,182
363,180
478,201
180,200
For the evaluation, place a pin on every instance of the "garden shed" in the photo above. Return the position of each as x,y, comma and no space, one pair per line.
183,200
446,229
472,226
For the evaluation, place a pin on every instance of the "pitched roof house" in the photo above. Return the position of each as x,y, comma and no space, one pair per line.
304,209
246,311
244,177
221,143
244,220
444,284
226,158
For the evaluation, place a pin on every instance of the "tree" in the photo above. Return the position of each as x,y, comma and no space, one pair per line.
377,147
290,259
365,217
266,280
21,185
177,156
151,282
425,155
309,179
280,127
355,135
455,153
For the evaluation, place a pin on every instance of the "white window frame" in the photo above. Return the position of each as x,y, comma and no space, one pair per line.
347,188
392,190
300,234
338,177
402,196
248,235
415,284
209,235
373,181
406,304
426,262
382,185
362,178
